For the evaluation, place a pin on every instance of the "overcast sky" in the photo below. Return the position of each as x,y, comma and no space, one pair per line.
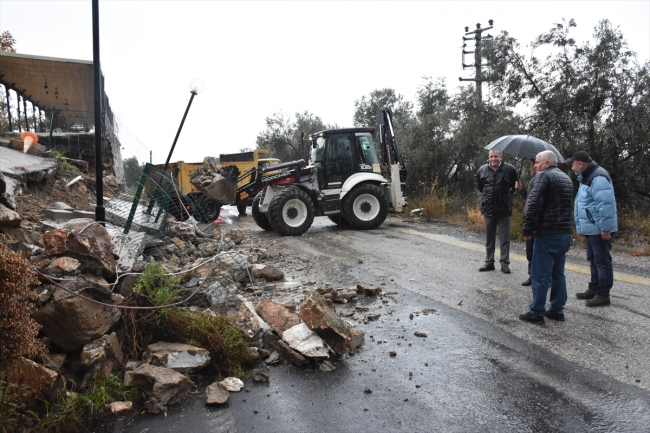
259,58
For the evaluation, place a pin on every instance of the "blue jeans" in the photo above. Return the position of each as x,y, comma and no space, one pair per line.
600,261
547,268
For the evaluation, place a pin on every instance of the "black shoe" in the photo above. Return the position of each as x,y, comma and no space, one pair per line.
505,269
528,282
598,301
554,316
586,295
538,318
486,267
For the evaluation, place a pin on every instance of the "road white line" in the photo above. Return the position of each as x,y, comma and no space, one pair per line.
449,240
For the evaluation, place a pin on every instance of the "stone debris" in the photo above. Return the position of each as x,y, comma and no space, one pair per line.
163,386
121,407
260,376
217,182
368,290
102,355
305,341
232,384
216,394
276,315
268,272
321,317
326,366
183,358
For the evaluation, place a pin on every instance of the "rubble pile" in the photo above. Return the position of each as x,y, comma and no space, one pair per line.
87,288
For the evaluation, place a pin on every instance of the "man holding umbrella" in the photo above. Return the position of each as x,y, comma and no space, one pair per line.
497,183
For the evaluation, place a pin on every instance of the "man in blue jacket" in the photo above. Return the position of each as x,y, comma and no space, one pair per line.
595,215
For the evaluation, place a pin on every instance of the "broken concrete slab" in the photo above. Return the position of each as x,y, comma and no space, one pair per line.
305,341
180,357
25,167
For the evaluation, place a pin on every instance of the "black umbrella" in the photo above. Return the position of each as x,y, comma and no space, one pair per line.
523,146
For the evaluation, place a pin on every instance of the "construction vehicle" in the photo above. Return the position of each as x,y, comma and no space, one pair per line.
345,181
206,209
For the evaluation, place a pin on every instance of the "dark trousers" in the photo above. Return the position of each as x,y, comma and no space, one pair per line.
529,252
491,224
600,261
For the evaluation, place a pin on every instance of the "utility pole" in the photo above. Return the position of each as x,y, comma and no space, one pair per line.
478,78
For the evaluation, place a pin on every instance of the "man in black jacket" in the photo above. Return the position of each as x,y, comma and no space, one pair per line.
496,181
548,218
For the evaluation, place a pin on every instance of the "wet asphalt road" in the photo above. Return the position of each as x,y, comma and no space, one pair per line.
478,370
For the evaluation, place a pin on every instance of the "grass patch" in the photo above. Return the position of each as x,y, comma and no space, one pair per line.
76,411
435,202
208,330
65,164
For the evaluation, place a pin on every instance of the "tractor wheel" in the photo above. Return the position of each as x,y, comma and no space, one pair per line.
338,220
208,210
241,208
365,207
260,218
291,212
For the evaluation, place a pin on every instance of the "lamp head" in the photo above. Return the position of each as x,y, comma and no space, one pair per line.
196,86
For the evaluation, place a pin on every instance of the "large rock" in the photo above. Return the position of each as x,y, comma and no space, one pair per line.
236,265
162,385
180,357
268,272
72,322
235,235
276,315
85,241
320,316
8,217
102,355
106,351
36,381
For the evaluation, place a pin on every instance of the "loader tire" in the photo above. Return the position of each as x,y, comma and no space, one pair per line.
365,207
338,220
260,218
291,212
208,210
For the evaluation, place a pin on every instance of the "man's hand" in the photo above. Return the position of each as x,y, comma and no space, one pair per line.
527,238
605,236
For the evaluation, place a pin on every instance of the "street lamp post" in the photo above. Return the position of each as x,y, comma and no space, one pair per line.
196,87
100,211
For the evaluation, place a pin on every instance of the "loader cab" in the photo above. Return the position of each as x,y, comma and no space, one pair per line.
340,153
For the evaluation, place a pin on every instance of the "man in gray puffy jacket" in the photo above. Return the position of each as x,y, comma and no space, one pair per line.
595,215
